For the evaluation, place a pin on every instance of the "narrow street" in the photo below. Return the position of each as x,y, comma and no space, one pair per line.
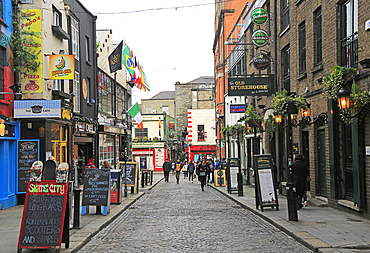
181,218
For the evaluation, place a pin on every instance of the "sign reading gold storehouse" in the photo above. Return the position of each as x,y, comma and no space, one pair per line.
250,86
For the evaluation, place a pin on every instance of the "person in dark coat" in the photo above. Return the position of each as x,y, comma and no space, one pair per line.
202,173
191,169
300,174
166,170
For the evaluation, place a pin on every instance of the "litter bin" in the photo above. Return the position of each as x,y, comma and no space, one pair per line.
116,187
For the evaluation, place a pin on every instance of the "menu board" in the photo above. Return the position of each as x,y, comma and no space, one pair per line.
96,187
28,153
132,172
265,190
43,215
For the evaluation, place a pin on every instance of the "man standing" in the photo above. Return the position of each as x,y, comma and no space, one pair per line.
300,173
191,169
166,170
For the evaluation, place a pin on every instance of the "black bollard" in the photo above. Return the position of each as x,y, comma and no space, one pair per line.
292,201
240,184
142,179
76,210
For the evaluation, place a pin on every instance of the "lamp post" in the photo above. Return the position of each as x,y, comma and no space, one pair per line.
124,118
240,175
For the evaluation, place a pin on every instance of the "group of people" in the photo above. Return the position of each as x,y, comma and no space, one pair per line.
203,169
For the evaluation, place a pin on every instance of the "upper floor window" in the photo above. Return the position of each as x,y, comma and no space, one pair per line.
349,33
77,91
1,9
318,36
201,133
57,17
141,134
75,38
302,47
284,14
57,85
87,44
285,61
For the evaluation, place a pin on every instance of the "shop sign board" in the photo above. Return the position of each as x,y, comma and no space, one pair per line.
37,109
260,38
28,153
259,16
83,127
96,187
249,86
237,108
261,61
61,67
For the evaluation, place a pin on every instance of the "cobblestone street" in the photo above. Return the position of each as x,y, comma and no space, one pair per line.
181,218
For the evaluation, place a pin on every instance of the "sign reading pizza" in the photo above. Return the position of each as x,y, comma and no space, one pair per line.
61,67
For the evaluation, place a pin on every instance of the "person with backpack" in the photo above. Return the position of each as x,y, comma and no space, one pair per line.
202,173
191,169
178,167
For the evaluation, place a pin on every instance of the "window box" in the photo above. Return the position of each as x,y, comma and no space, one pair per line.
60,33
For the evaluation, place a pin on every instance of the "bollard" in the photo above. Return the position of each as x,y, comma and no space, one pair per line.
142,179
292,201
240,184
76,210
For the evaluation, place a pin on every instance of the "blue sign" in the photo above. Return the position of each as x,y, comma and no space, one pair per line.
237,108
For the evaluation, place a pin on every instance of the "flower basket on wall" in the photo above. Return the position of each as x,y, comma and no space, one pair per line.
291,104
338,78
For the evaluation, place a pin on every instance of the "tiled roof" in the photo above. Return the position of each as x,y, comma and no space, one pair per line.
203,79
163,95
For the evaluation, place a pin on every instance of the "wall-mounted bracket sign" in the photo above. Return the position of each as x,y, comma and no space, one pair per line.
250,86
261,61
259,16
260,38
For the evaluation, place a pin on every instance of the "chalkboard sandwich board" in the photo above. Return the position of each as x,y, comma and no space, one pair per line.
266,194
132,174
44,218
96,187
28,153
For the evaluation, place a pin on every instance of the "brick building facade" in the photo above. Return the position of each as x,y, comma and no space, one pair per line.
309,39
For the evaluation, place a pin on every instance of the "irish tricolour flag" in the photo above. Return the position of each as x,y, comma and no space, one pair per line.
134,111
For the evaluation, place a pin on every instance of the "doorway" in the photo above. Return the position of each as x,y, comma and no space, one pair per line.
321,155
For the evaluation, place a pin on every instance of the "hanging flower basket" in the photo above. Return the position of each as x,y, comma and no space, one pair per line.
339,77
291,104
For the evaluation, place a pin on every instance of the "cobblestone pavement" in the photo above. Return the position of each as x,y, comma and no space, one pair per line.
181,218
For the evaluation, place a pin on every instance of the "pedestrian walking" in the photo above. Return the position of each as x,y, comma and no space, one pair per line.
166,170
178,167
300,176
202,173
210,171
191,169
185,169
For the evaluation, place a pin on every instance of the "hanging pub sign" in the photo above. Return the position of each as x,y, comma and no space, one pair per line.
61,67
260,38
250,86
259,16
261,61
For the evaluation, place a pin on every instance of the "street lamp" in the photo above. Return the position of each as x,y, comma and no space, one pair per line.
344,103
219,132
124,118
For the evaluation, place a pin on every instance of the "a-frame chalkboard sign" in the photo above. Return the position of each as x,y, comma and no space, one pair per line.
132,174
45,221
265,189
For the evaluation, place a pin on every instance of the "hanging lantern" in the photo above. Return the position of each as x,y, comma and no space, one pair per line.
306,113
277,117
343,99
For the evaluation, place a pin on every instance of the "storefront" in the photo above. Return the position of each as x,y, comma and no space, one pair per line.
8,163
111,144
198,153
150,157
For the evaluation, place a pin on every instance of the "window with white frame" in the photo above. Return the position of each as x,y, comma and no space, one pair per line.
201,133
77,91
57,85
87,45
75,38
57,17
349,33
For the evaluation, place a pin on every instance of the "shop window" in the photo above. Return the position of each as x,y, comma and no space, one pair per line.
106,148
141,134
349,33
201,133
59,137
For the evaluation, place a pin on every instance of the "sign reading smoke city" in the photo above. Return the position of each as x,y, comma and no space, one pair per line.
249,86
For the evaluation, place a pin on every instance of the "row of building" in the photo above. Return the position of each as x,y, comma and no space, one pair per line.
68,105
177,125
304,41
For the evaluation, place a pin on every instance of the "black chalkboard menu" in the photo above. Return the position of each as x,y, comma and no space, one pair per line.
132,172
44,215
28,153
266,191
96,187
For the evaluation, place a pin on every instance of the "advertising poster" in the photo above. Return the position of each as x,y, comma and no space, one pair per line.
234,177
61,67
114,188
31,30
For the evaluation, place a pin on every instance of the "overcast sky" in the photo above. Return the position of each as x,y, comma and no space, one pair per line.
172,39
